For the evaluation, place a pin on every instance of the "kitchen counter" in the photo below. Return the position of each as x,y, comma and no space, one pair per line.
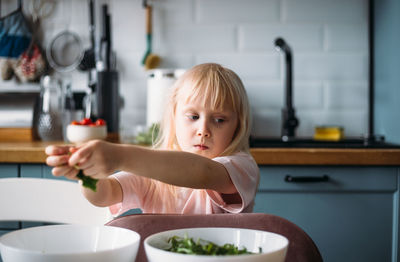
33,152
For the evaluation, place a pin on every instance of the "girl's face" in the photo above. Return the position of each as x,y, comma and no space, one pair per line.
204,131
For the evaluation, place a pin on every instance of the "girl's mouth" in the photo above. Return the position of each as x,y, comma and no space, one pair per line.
201,147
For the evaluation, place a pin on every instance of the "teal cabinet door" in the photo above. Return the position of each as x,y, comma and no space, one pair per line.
8,170
351,217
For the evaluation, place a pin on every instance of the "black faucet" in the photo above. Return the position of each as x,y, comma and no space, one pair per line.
289,120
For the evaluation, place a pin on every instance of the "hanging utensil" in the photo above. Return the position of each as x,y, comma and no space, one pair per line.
89,58
65,51
150,60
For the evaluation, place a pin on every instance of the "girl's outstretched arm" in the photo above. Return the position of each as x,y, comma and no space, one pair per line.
99,159
108,189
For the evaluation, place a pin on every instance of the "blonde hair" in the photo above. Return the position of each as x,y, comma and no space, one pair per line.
219,86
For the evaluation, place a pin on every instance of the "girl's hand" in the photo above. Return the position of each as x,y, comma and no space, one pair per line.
96,158
58,157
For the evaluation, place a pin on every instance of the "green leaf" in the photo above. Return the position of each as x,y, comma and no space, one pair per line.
88,181
186,245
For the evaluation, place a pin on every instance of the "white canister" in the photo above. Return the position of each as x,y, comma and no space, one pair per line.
159,82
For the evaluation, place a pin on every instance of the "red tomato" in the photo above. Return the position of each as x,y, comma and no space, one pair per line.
86,121
100,122
75,123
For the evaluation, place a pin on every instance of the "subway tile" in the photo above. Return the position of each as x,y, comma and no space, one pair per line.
265,95
128,26
336,66
173,12
272,96
346,37
129,65
133,93
258,37
308,95
247,65
237,11
346,95
323,11
266,123
196,39
177,60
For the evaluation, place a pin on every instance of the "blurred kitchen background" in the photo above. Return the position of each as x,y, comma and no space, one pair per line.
329,41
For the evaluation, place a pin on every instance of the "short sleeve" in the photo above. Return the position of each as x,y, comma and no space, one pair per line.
245,176
133,189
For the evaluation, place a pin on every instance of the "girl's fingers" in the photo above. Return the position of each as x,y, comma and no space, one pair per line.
62,170
91,171
80,156
56,150
57,160
83,166
71,174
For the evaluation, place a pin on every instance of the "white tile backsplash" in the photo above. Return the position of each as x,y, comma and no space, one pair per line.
325,11
329,39
237,11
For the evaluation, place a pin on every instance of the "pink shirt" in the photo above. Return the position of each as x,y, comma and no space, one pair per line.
153,196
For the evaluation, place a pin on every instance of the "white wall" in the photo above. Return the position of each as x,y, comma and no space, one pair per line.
329,39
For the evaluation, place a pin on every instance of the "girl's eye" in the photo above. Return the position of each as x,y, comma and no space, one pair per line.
192,117
219,120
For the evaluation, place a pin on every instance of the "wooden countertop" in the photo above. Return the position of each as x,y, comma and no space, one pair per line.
33,152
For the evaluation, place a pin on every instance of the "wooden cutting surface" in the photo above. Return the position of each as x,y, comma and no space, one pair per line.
33,152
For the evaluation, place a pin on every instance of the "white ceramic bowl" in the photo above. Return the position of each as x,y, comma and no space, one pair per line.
66,243
273,246
83,133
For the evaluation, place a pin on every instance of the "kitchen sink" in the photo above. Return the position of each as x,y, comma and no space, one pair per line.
258,142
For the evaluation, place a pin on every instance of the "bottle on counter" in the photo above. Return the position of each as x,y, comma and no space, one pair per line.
49,119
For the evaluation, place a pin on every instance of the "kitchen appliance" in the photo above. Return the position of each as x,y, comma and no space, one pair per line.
107,87
159,82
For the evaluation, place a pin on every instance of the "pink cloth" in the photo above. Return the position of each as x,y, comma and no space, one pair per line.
153,196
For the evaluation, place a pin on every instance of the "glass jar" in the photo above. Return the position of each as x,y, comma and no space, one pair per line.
49,120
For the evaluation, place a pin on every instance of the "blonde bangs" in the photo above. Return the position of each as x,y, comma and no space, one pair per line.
212,89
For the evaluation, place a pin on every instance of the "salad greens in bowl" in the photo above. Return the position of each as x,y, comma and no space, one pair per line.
216,244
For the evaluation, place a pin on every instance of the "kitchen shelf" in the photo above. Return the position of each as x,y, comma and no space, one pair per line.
13,87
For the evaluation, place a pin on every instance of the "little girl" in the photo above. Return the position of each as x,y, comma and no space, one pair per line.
202,164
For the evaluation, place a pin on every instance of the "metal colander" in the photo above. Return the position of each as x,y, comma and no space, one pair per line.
65,51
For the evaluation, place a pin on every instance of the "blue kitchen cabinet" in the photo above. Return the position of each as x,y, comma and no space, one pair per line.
353,216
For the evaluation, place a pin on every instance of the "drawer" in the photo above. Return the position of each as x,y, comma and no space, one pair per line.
31,170
8,170
339,178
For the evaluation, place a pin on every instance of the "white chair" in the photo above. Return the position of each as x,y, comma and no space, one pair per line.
47,200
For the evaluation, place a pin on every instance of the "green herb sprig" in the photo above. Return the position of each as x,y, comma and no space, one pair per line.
146,137
88,181
186,245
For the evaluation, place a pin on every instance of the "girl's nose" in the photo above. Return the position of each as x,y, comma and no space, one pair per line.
203,131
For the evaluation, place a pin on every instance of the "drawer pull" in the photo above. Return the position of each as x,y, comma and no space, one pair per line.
306,179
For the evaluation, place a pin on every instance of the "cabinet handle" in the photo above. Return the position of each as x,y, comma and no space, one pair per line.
306,179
